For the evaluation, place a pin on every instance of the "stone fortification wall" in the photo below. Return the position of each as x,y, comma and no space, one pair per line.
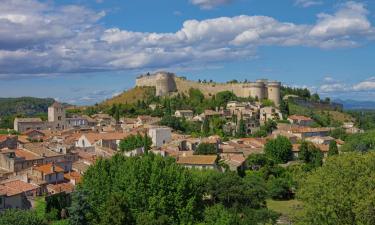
166,83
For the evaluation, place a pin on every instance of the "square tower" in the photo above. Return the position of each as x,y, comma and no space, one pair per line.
56,116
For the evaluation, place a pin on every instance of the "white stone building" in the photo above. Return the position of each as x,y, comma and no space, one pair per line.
160,135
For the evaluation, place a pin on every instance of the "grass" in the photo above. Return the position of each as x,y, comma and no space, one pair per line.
131,96
287,208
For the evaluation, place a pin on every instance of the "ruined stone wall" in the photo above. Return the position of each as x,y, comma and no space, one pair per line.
166,83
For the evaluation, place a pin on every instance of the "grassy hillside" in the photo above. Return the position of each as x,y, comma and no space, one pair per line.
27,106
323,117
131,96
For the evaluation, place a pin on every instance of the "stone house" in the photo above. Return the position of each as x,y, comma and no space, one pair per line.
50,173
300,120
198,161
187,113
8,141
160,135
14,194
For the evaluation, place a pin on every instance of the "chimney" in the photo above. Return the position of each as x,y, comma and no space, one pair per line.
53,167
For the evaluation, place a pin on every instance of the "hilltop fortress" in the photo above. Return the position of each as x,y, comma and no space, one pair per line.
166,83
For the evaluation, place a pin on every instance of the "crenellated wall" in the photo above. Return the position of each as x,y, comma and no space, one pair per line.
166,83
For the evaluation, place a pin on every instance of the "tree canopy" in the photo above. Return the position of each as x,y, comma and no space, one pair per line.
148,186
279,149
341,192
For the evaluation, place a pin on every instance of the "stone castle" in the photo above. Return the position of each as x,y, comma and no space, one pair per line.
166,83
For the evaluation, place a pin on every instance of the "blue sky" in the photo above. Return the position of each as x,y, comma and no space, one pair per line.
84,51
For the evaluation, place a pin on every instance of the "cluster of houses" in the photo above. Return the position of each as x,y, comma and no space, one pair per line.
49,157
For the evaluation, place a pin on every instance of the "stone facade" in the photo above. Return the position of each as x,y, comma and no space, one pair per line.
166,83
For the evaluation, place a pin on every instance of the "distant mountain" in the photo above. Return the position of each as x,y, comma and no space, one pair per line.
355,104
27,106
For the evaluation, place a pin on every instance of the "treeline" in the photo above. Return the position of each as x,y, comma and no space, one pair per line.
11,108
365,119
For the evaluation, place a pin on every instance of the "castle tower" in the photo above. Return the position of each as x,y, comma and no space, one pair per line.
258,89
273,89
165,83
56,116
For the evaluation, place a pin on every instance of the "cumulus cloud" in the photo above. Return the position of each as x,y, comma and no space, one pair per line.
367,85
307,3
209,4
69,39
330,85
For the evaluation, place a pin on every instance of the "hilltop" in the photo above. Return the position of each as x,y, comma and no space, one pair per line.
28,106
130,96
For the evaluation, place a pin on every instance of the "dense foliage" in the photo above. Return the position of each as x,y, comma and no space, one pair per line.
279,149
27,106
132,142
310,154
155,190
20,217
149,187
361,142
206,149
341,192
365,118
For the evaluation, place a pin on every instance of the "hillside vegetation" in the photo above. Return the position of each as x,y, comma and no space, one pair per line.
131,96
322,117
27,106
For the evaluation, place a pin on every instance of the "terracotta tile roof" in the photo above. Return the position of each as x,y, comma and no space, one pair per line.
323,148
15,187
94,137
80,166
29,120
31,131
47,168
62,187
295,147
23,139
73,175
40,149
4,137
91,157
299,117
20,153
310,129
197,160
56,105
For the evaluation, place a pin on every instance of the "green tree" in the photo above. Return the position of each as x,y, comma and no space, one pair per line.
279,188
20,217
279,149
116,211
219,215
333,149
206,127
341,192
223,97
132,142
206,149
80,212
310,154
241,128
152,185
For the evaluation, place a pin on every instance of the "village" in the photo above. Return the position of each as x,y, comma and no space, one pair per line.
47,158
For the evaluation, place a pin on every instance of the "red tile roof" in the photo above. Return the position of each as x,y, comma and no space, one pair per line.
197,160
47,168
16,187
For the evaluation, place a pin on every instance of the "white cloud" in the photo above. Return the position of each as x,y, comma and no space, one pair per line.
367,85
307,3
330,85
53,39
209,4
